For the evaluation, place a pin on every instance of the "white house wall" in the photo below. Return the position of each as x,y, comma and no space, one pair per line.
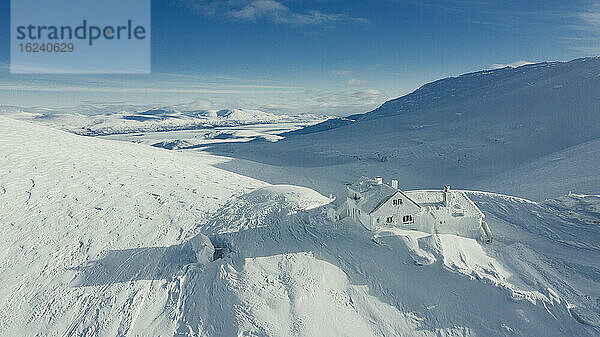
357,214
395,211
469,227
424,222
463,226
428,219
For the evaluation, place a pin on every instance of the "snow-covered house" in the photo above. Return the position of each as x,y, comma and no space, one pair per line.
375,204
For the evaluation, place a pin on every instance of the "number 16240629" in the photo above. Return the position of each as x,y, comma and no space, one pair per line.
57,47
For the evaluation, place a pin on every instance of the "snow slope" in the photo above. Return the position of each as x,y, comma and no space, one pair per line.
109,238
464,130
313,277
66,200
573,169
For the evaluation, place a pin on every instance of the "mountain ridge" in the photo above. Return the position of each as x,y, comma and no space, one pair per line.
423,92
462,130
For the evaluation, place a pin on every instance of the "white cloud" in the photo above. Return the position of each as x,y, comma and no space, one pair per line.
588,50
272,10
341,102
341,72
71,88
261,8
348,99
512,65
591,17
585,25
355,82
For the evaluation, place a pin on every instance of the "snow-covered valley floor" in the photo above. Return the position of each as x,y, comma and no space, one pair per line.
109,238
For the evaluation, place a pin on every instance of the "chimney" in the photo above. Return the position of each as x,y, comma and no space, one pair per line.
446,194
395,183
379,180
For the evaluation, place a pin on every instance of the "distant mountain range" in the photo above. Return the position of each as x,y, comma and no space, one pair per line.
110,120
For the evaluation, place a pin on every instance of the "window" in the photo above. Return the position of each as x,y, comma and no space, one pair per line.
408,219
390,219
397,202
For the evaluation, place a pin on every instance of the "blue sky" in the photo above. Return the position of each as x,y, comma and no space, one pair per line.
320,56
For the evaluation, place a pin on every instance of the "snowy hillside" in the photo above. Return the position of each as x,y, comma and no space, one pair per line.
468,131
107,238
67,200
574,169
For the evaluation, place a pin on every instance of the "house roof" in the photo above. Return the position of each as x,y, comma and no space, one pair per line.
364,184
373,195
433,201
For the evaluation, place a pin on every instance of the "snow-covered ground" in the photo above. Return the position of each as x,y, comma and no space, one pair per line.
574,169
113,238
67,201
116,235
